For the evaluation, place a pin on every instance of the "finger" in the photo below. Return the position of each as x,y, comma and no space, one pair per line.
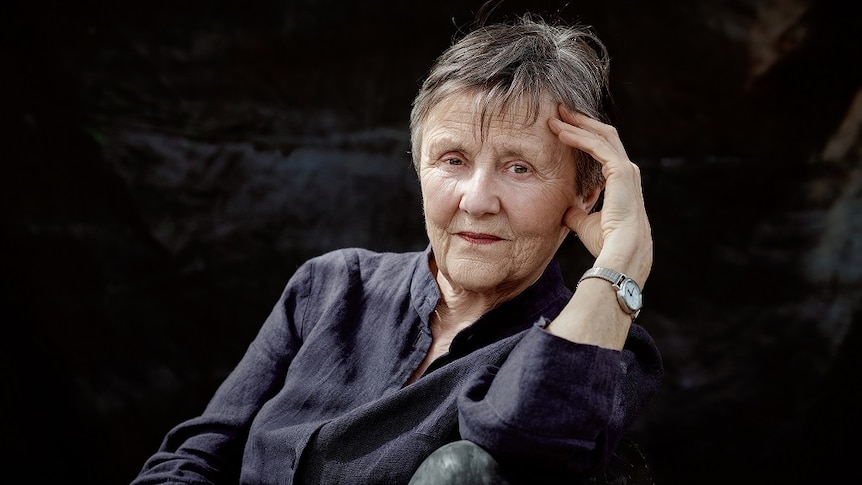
585,140
602,130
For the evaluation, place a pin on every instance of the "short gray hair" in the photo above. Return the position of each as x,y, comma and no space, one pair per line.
522,61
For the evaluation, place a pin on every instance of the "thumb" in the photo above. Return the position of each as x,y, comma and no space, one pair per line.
574,218
587,227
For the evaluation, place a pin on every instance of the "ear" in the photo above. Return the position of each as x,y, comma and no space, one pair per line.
587,201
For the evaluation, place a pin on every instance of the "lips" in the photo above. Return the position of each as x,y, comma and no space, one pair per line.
478,238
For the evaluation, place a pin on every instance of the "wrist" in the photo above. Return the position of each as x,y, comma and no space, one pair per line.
636,270
635,262
627,290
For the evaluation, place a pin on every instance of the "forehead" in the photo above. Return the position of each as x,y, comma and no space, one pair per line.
482,110
472,116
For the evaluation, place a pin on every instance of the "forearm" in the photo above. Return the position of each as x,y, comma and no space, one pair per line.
199,451
593,317
208,448
558,404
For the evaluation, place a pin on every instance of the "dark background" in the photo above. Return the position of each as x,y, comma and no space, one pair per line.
168,164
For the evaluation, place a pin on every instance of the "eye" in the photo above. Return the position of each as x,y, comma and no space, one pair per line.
518,168
453,161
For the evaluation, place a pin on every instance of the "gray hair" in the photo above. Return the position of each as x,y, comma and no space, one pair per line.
522,61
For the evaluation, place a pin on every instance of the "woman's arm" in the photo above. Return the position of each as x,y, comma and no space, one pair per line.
619,235
209,448
556,406
568,393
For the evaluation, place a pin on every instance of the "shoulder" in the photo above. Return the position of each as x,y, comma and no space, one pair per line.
364,264
365,259
363,255
351,281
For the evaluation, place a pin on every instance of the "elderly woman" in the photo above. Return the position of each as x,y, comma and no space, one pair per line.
370,362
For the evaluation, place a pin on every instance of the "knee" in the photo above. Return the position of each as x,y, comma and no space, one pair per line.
461,462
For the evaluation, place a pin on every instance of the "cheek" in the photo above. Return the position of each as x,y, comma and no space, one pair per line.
542,215
438,200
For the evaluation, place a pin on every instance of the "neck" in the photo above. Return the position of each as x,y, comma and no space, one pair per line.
459,307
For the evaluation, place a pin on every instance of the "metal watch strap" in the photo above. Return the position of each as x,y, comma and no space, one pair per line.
616,279
607,274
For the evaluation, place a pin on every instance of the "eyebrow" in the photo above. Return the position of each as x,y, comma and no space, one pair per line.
521,147
514,147
445,139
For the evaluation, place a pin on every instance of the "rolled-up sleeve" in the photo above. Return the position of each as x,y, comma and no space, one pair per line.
559,405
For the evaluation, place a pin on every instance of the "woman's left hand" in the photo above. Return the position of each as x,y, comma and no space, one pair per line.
618,235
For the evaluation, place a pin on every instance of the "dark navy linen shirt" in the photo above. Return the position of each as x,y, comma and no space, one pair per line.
321,395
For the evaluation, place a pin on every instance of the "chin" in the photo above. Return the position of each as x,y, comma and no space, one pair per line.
479,279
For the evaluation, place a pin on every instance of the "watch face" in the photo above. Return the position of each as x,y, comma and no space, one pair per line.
631,294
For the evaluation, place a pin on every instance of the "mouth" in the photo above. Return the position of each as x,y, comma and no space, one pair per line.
478,238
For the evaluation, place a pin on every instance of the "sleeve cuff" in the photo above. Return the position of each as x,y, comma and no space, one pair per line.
549,388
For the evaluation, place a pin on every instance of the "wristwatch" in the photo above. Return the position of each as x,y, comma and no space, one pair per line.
628,292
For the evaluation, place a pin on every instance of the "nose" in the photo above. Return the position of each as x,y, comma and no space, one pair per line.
479,194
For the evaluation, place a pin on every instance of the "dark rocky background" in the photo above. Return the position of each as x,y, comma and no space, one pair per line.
168,164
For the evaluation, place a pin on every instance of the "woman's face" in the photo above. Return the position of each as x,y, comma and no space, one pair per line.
494,206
